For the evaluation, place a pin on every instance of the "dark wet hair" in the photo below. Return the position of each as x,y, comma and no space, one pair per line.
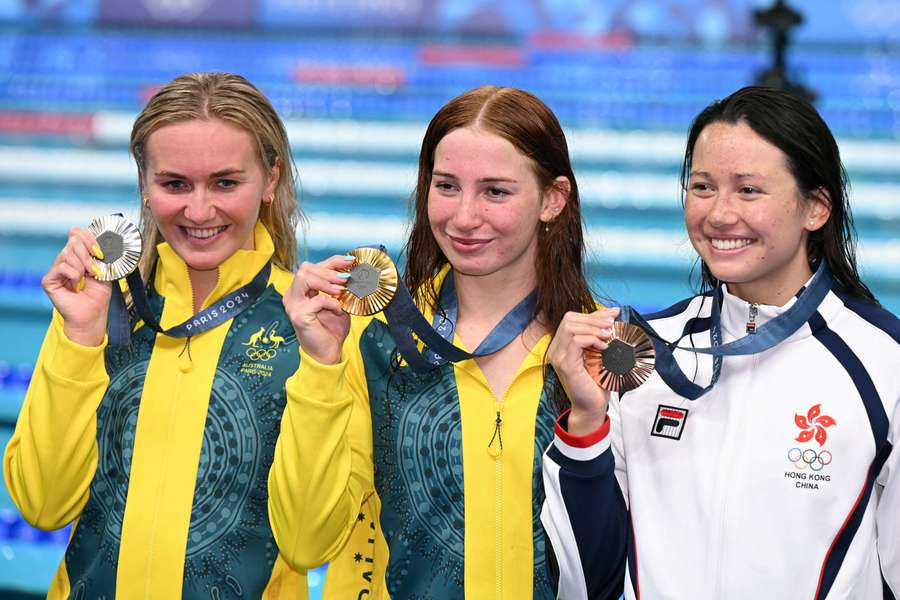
793,125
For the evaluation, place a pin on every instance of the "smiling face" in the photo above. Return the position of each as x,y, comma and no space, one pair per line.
485,205
746,216
205,185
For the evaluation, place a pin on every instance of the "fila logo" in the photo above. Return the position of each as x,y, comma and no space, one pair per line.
669,422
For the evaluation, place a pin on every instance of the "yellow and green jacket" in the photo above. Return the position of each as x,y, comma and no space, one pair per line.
160,453
400,481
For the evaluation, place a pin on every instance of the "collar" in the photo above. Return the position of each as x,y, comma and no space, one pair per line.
532,363
736,313
534,358
173,283
436,283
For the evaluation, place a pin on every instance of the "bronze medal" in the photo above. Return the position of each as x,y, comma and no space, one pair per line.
627,361
372,284
120,241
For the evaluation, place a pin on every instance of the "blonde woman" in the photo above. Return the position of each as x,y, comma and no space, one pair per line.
159,452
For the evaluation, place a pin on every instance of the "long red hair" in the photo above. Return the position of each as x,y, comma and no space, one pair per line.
531,127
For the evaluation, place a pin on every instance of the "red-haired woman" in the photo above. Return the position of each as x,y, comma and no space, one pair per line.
429,485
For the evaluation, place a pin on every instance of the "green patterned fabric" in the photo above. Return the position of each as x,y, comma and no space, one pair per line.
417,443
229,518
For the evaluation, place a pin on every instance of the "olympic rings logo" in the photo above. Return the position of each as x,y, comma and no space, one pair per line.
263,354
809,458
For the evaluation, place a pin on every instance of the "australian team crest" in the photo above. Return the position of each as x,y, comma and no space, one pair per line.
261,347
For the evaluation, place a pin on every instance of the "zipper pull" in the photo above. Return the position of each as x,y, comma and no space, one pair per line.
496,449
185,362
751,323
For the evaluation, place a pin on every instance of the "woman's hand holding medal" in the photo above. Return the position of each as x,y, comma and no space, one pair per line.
577,333
71,284
363,282
317,316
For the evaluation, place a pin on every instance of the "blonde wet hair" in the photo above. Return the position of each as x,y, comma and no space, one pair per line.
232,99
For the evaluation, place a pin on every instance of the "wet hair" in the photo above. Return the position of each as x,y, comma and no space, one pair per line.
793,125
531,127
234,100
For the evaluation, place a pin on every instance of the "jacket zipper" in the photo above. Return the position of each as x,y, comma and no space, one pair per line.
495,449
728,466
751,319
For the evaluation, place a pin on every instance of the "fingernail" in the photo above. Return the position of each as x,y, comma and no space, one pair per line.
349,257
80,285
95,249
343,275
98,273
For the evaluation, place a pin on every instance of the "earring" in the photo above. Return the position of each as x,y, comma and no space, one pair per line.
146,201
547,227
269,200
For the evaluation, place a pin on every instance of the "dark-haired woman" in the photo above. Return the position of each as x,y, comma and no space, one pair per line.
429,485
780,480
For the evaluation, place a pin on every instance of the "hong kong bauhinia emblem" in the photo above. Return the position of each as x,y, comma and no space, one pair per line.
813,425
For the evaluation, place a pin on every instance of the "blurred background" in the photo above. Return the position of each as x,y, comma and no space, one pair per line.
356,82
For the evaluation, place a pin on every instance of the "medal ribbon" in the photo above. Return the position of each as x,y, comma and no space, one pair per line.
405,318
227,307
767,336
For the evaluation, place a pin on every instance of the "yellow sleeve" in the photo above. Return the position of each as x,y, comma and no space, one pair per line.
51,458
322,471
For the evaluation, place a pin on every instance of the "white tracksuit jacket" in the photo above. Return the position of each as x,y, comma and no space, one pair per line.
780,483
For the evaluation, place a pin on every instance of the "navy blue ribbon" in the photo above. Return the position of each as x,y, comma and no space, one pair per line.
118,321
227,307
404,318
767,336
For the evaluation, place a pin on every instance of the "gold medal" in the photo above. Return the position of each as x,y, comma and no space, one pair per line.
372,284
627,361
121,244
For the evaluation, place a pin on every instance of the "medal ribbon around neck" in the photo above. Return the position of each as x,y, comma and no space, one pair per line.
116,236
227,307
509,328
405,319
767,336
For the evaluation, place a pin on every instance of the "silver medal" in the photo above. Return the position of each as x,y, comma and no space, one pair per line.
120,241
